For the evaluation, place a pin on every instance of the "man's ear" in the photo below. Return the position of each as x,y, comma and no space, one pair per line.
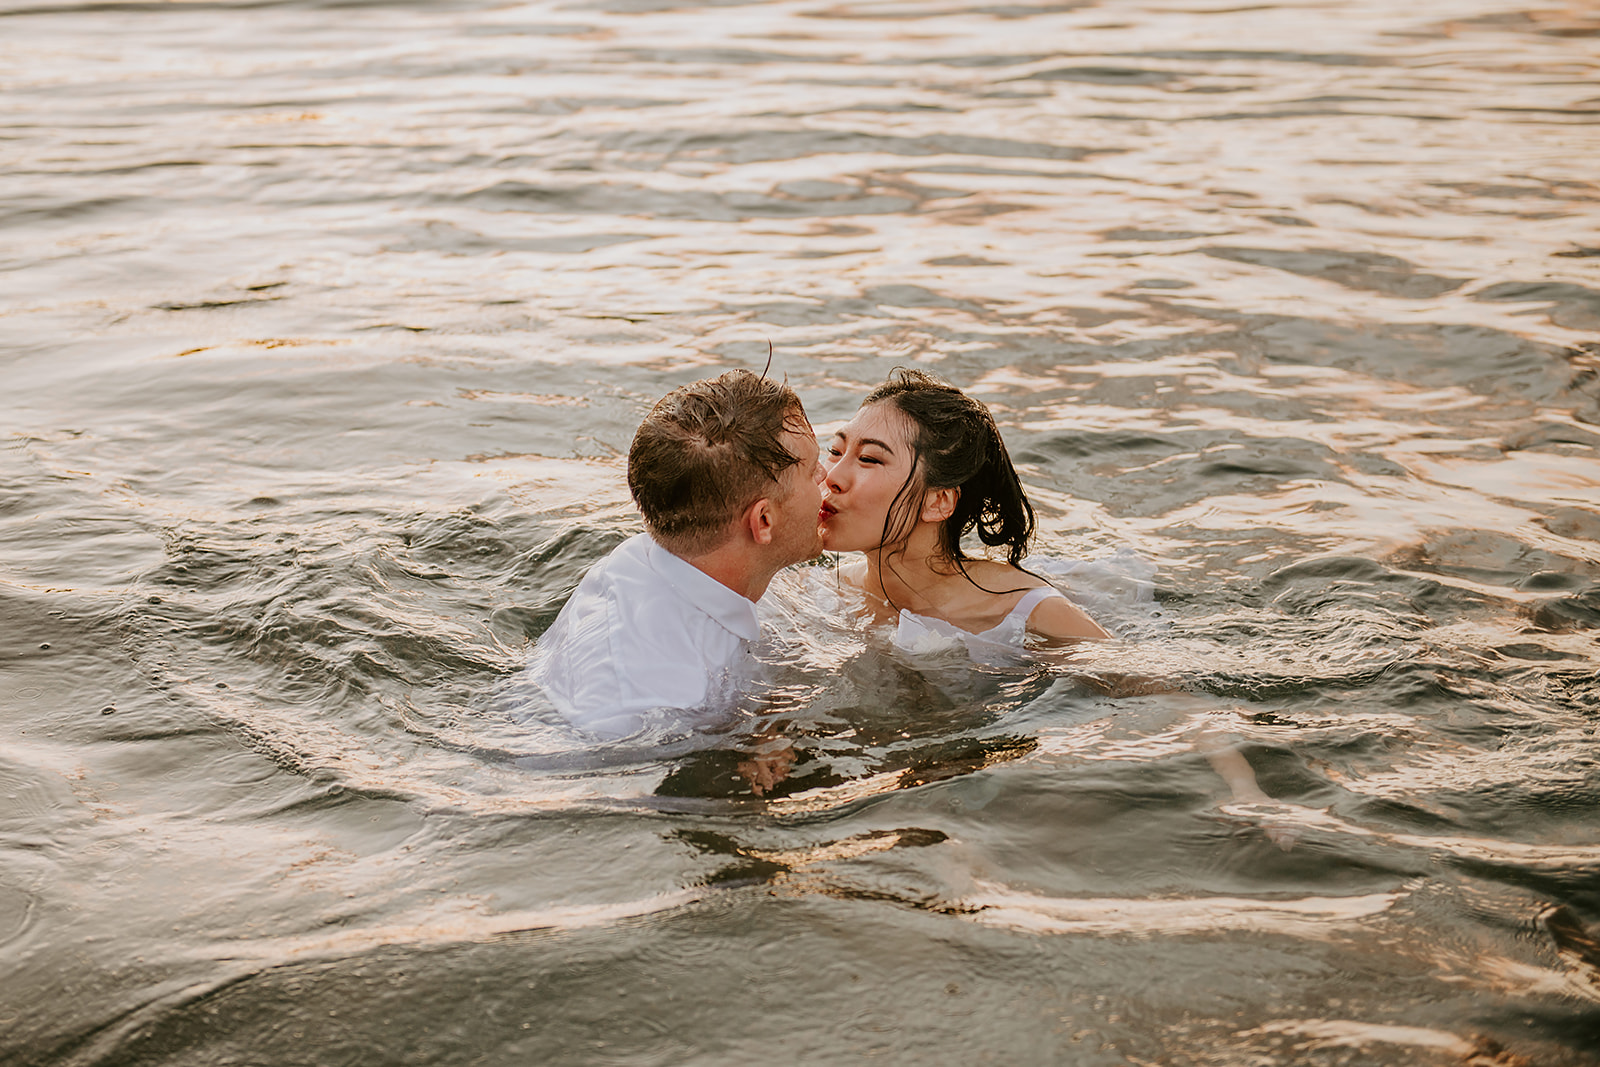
939,504
757,521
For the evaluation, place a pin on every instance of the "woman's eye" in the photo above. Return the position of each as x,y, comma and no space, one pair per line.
835,453
871,459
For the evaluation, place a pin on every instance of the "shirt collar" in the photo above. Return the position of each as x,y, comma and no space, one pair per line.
733,612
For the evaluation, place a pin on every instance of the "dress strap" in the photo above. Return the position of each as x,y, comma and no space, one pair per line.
1030,600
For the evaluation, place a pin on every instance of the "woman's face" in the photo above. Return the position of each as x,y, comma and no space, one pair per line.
867,463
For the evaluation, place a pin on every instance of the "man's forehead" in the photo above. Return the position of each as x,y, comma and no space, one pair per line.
799,427
802,445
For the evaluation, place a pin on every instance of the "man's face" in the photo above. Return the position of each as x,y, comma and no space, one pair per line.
797,533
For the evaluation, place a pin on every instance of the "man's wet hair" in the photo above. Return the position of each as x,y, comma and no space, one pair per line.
706,452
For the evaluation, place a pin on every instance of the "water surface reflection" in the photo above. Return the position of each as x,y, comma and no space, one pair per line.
326,327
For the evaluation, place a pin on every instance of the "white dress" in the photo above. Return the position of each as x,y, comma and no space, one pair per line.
1000,644
1116,591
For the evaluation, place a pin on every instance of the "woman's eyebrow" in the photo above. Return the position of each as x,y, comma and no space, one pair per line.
842,436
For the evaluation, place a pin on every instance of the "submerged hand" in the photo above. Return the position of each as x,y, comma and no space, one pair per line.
765,769
1241,778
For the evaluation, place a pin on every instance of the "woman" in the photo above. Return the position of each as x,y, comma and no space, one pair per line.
920,466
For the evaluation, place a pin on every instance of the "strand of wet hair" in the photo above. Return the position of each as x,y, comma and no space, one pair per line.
956,557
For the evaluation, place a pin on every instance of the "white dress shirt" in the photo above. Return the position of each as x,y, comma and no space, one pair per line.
643,630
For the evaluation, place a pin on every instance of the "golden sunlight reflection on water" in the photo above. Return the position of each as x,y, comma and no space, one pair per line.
326,330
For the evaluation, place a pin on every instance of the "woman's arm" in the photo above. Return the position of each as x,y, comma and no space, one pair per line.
1059,619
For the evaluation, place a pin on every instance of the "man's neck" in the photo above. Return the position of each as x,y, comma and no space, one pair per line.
732,566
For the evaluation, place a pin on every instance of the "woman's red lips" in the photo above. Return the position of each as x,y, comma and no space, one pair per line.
826,511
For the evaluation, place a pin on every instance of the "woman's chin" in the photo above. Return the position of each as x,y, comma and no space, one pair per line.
832,542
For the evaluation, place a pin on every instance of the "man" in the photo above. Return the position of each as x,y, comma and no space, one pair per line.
727,475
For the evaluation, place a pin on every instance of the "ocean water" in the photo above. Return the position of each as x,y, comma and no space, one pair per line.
324,328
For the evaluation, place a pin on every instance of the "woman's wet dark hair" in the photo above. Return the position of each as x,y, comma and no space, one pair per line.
955,445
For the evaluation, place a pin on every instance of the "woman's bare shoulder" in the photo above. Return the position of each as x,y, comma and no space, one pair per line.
995,575
1056,618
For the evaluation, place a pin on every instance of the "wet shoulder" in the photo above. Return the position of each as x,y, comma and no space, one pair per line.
992,574
992,598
